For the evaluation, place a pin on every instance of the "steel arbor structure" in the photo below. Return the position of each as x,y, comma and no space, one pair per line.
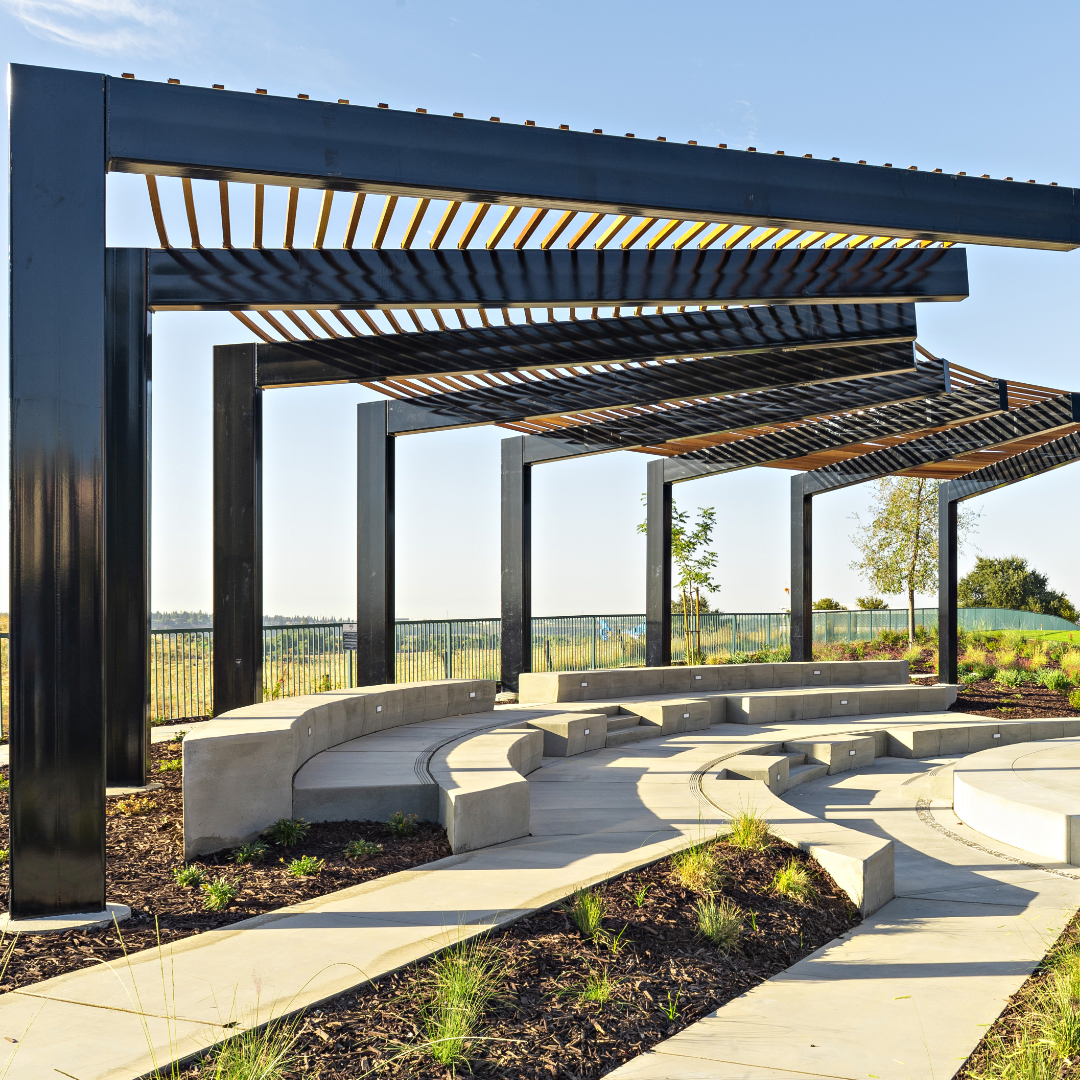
80,333
1010,470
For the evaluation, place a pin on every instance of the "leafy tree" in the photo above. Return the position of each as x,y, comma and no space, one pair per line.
898,547
695,564
870,603
827,603
1010,583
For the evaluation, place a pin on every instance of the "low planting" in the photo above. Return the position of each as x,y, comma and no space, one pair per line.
579,988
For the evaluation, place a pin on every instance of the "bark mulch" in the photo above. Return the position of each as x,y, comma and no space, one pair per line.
1027,702
143,849
664,978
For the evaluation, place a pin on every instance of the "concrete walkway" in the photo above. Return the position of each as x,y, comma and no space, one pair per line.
909,993
593,816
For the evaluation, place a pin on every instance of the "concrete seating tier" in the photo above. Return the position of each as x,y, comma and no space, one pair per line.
239,767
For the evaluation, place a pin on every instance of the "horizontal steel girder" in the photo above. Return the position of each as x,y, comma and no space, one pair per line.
223,135
209,279
808,368
1037,419
836,432
1040,459
787,405
593,341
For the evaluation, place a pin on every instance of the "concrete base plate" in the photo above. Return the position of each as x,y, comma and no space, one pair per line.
111,792
57,924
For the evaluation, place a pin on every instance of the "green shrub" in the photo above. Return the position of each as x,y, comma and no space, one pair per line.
891,637
1010,678
748,831
288,832
219,893
964,668
357,849
1053,679
250,853
698,869
171,766
912,655
986,671
1074,698
463,981
402,824
970,678
306,866
188,876
793,880
739,658
586,910
720,923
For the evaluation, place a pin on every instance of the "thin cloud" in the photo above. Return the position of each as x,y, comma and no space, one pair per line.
145,27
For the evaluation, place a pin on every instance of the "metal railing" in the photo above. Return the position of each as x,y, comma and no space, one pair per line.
310,658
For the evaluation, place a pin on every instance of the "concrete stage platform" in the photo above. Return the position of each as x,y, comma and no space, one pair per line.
1027,795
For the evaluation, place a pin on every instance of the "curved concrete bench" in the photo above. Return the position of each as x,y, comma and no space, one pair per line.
483,793
239,767
1027,796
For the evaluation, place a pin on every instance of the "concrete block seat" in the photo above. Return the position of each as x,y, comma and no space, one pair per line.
239,768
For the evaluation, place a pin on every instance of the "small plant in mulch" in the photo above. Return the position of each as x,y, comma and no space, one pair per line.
188,876
793,882
359,849
288,832
640,893
402,824
4,855
461,984
748,831
586,909
219,893
698,869
306,866
720,922
246,854
133,807
171,766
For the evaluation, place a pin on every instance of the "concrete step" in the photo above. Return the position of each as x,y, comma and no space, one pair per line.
632,734
795,759
801,774
621,723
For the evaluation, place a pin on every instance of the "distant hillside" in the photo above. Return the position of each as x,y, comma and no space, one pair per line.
201,620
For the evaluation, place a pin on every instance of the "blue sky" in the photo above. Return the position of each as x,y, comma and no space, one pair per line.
988,88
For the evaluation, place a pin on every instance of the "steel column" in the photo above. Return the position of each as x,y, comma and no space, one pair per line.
238,638
516,563
947,618
802,570
57,238
127,518
374,546
658,567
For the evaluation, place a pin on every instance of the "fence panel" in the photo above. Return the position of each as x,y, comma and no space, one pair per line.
181,674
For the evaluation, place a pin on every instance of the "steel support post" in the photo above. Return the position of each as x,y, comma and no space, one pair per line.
374,546
238,637
127,518
802,570
516,582
947,617
658,567
57,727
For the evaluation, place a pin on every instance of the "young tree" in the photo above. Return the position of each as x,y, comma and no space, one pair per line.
827,603
898,548
1010,583
870,603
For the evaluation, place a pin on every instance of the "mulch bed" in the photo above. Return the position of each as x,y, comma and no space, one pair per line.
1027,702
143,850
665,977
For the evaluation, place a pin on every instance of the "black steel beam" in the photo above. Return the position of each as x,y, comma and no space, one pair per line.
238,636
595,341
1036,419
801,374
839,431
802,570
221,135
1011,470
657,426
657,567
947,553
374,546
218,279
57,249
127,518
516,564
